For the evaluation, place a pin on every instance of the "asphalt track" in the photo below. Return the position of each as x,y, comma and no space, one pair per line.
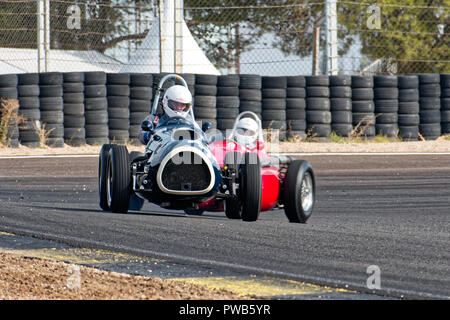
385,210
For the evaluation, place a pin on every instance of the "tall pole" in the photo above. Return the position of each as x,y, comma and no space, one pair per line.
178,37
332,40
41,36
47,35
316,51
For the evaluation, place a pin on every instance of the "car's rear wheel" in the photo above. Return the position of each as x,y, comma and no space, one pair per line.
118,179
250,188
299,191
102,170
233,206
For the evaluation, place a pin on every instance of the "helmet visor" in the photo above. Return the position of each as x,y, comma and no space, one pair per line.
245,132
178,106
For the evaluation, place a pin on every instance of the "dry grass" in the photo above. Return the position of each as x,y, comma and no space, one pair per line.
9,119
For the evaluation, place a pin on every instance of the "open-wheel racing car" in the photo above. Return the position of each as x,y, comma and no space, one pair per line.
182,169
285,182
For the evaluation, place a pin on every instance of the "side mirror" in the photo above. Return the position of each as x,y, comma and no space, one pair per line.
146,125
206,126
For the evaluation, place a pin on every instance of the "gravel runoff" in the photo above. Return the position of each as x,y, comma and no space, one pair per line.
24,278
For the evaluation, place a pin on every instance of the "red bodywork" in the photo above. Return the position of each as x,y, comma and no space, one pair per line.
270,175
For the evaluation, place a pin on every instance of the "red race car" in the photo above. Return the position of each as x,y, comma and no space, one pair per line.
274,181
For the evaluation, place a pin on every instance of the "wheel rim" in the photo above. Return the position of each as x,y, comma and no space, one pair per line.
109,181
307,193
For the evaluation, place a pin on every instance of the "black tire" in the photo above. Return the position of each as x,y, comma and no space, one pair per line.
50,78
317,81
119,179
205,101
408,82
205,90
318,104
76,87
50,91
118,78
28,78
203,112
430,90
73,121
428,103
386,106
141,80
341,117
428,78
294,92
250,188
74,109
227,92
233,206
227,113
73,77
408,107
430,116
389,130
227,102
322,117
118,90
95,91
385,81
408,133
274,82
30,90
362,82
121,102
299,191
95,77
337,81
273,93
103,165
141,93
341,104
296,81
269,114
250,94
274,104
231,80
341,129
386,118
318,130
250,81
73,97
362,94
295,114
406,120
321,92
295,103
408,95
206,79
363,106
340,92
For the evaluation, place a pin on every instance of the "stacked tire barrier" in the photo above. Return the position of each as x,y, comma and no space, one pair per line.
430,106
408,108
273,94
386,105
96,108
73,98
141,93
341,105
227,104
445,103
250,97
296,107
8,90
29,111
52,107
205,99
318,114
118,94
363,106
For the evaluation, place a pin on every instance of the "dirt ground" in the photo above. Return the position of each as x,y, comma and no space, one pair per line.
24,278
440,145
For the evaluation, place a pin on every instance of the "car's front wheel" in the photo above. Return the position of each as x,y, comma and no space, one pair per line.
250,187
102,173
118,179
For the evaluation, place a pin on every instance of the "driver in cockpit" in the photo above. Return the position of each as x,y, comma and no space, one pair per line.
176,102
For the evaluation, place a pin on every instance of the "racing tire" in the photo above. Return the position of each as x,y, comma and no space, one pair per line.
118,179
102,167
233,207
299,191
250,187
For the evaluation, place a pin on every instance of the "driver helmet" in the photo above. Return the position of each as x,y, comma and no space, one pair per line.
177,101
246,132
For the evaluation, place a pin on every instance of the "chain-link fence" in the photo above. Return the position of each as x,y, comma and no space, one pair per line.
271,37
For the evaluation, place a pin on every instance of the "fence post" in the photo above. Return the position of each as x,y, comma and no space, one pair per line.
332,40
43,35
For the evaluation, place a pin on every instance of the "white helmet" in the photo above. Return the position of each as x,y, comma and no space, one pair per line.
177,101
246,132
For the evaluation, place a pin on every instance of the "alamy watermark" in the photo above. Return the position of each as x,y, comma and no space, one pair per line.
374,279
